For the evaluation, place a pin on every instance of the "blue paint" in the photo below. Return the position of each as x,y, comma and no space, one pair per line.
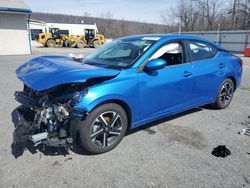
45,72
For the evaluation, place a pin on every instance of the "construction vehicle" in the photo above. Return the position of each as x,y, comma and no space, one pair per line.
91,39
74,41
94,39
53,38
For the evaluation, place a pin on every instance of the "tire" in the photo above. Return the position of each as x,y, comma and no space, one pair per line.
51,43
96,137
97,44
80,44
67,43
225,94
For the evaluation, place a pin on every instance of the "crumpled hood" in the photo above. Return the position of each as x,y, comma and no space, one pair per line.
46,72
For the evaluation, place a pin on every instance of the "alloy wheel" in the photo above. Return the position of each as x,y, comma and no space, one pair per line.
106,129
226,93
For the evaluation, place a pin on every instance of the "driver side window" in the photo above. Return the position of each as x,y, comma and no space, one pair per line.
172,53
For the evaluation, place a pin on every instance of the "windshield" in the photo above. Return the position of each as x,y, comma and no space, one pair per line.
120,53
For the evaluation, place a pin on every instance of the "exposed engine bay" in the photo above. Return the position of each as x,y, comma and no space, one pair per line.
53,88
49,117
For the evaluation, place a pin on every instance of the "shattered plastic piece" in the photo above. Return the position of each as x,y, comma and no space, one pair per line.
245,131
221,151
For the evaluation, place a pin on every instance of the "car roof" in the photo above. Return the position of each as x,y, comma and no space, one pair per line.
162,36
165,37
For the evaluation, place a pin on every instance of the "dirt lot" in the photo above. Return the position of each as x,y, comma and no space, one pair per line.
174,152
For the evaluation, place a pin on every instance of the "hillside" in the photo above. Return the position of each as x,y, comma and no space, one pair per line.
111,28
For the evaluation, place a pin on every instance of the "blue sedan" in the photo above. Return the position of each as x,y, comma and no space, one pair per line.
123,85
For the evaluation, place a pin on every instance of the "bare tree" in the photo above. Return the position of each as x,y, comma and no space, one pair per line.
240,14
210,10
186,13
243,10
86,14
169,21
207,14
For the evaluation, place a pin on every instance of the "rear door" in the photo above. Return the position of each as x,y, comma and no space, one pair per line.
208,68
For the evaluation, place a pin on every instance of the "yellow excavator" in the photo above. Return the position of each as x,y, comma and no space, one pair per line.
53,38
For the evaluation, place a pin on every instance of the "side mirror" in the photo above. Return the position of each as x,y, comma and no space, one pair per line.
155,64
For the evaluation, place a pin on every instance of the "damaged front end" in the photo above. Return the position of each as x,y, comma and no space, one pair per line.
49,117
53,86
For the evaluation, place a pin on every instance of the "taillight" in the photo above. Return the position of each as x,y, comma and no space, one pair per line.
241,62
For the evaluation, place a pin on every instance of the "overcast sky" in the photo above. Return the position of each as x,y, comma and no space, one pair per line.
137,10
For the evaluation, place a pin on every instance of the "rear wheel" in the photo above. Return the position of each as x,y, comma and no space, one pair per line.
80,44
51,43
67,43
225,94
103,128
97,44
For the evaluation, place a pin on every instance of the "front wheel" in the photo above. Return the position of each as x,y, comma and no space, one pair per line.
80,44
51,43
225,94
103,129
97,44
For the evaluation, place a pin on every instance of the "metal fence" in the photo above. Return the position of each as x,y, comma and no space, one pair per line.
234,41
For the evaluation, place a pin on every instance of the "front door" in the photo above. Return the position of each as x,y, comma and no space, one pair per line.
169,89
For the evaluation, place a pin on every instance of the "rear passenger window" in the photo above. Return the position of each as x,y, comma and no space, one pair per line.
200,51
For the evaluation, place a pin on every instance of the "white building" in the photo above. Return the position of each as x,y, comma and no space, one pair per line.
14,35
37,27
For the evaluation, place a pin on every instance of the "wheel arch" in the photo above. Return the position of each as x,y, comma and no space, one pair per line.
234,81
123,104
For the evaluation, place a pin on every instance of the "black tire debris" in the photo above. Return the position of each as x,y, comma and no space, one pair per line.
221,151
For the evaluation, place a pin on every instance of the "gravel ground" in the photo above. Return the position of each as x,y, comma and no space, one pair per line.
173,152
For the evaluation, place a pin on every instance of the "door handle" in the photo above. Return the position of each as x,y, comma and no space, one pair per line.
221,65
186,74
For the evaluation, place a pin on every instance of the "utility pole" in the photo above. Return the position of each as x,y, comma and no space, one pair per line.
233,14
179,27
218,34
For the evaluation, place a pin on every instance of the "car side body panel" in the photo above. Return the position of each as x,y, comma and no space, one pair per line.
206,79
234,69
124,88
165,90
209,74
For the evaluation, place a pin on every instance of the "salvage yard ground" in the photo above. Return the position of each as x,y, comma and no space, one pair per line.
173,152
